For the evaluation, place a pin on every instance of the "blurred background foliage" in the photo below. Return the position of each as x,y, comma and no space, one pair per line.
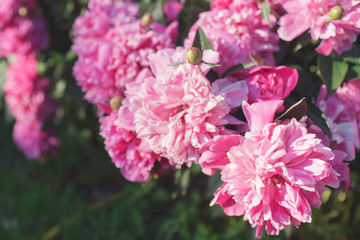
81,195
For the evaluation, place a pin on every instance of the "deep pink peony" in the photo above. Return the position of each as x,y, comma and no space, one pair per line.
24,35
270,83
221,4
275,174
10,9
26,92
33,140
113,46
237,32
227,4
132,155
177,111
336,35
26,95
172,9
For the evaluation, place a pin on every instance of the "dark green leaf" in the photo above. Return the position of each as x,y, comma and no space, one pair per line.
302,41
212,64
265,12
237,67
315,114
188,16
353,73
201,41
177,64
3,66
211,75
196,42
297,111
305,86
353,55
332,72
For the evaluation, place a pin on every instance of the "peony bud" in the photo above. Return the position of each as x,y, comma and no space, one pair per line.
22,11
193,56
147,20
115,102
336,12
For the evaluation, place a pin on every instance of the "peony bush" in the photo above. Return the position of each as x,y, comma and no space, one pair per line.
264,93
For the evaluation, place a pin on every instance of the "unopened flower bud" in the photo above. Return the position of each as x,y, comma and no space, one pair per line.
115,102
147,20
22,11
336,12
193,56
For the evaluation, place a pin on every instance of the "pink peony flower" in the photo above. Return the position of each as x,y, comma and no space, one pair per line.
33,141
221,4
235,33
342,120
336,35
26,97
113,46
274,174
342,111
10,9
132,155
227,4
172,9
24,35
26,93
268,83
177,111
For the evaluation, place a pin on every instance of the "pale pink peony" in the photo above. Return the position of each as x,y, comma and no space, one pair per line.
177,111
113,46
33,140
24,35
341,114
132,155
275,174
342,111
270,83
336,35
235,33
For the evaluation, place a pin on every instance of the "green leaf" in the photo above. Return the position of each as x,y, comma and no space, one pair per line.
237,67
3,66
353,73
212,64
177,64
297,111
315,114
353,55
212,75
332,71
201,41
265,12
302,41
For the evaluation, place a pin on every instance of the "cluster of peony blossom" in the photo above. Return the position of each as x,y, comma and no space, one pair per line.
160,106
23,34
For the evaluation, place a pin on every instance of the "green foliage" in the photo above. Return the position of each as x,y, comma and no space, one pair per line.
333,72
265,11
201,41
